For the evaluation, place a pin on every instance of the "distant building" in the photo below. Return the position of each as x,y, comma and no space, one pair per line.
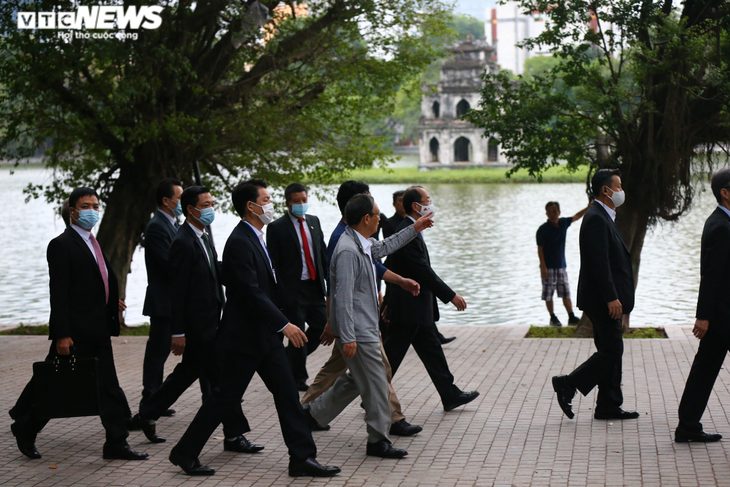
444,140
506,26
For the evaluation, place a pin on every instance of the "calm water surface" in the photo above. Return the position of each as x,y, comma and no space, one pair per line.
482,245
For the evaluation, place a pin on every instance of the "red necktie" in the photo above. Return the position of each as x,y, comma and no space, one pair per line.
102,265
307,255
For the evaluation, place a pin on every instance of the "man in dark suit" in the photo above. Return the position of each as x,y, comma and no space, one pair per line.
389,225
413,318
196,300
85,310
605,293
250,341
297,249
158,236
712,325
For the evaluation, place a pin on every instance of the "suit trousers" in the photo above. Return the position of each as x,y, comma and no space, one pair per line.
335,367
155,355
309,308
707,364
114,402
603,368
367,378
236,373
423,337
199,362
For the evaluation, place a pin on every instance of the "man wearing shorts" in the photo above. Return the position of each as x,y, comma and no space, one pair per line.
551,250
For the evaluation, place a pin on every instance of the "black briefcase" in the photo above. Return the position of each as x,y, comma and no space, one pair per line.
67,387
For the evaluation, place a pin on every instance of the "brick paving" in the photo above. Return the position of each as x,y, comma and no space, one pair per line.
513,434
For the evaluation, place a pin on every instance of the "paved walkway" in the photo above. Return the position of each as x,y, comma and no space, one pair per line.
513,434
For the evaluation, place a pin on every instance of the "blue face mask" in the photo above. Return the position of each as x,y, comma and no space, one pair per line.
177,211
87,219
299,210
207,215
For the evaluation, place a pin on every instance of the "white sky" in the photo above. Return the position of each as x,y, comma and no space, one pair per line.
475,8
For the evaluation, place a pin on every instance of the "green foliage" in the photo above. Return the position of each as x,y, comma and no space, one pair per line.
42,330
467,25
538,65
568,332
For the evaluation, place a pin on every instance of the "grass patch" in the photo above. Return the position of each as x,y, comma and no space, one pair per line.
568,331
481,175
40,330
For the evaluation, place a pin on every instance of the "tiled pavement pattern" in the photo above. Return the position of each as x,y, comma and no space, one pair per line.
513,434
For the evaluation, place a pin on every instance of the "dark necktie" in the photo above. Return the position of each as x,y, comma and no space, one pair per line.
213,266
102,265
307,255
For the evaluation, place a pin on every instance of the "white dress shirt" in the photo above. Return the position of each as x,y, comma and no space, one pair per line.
169,218
199,233
260,235
366,248
305,270
611,211
86,234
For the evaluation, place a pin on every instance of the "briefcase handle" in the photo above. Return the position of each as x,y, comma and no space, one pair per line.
71,359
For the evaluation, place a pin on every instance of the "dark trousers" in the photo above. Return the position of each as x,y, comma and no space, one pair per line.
200,361
603,368
400,336
155,355
309,308
113,401
707,364
237,371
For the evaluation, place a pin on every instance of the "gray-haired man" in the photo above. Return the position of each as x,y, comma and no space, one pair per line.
354,321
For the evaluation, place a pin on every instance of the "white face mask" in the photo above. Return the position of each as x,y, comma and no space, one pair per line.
618,197
268,215
425,210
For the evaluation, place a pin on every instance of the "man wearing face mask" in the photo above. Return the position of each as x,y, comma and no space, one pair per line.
413,318
250,341
605,293
158,236
298,252
196,300
85,309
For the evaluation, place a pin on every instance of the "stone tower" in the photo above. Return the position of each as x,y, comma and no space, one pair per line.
446,141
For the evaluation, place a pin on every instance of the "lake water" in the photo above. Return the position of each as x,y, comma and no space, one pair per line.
482,245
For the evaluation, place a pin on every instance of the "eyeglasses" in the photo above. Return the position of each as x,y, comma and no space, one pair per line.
375,215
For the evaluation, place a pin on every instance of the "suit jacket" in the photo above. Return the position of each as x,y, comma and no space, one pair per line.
713,302
285,252
252,318
412,261
606,273
194,306
158,237
391,224
78,302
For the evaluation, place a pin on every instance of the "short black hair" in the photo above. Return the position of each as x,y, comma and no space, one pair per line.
244,192
411,195
358,206
164,189
721,179
293,188
398,194
552,203
79,193
191,196
347,190
601,178
66,213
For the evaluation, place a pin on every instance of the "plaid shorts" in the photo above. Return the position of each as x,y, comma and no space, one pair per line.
557,279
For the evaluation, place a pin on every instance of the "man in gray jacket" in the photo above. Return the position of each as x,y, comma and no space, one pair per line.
354,321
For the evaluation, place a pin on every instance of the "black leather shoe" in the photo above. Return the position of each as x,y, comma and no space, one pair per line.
565,393
444,340
461,399
404,428
311,468
241,445
684,436
168,413
319,427
25,441
190,467
384,449
302,386
123,453
149,429
617,413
